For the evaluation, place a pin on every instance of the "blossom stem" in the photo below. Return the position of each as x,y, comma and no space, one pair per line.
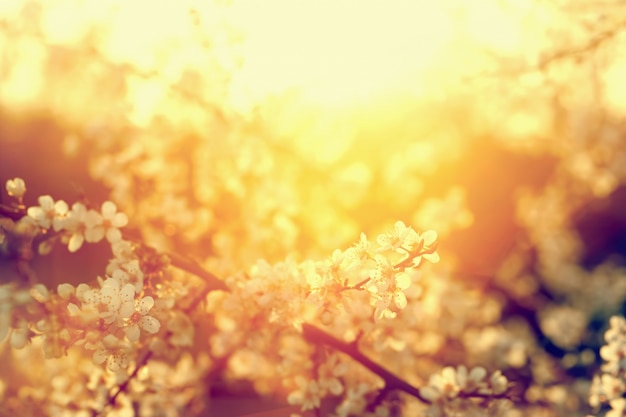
357,286
409,260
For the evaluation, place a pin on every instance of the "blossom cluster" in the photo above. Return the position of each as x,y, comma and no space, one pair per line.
78,224
385,272
351,291
355,293
453,383
446,390
609,386
108,318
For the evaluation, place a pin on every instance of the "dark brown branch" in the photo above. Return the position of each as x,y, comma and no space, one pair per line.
184,263
187,264
11,212
212,283
310,332
392,382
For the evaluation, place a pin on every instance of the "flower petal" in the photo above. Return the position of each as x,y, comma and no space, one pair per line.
65,290
429,237
76,242
108,209
132,332
478,373
127,309
46,202
127,293
92,219
94,234
99,356
119,220
150,324
403,280
400,299
111,283
113,235
35,212
61,207
146,304
432,257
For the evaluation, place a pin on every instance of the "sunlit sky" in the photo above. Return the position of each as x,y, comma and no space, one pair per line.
332,52
335,52
339,52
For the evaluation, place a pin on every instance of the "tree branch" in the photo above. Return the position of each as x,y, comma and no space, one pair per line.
392,382
211,281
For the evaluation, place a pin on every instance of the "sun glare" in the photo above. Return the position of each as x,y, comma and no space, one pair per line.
337,52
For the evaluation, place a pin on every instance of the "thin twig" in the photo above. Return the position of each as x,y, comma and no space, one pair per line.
593,44
12,212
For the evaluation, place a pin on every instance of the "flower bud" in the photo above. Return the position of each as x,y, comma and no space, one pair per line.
16,187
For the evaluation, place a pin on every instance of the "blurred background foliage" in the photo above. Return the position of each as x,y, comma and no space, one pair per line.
233,132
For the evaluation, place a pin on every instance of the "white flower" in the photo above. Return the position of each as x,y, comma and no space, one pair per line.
359,253
114,351
105,224
450,382
122,250
75,225
66,290
119,301
87,295
141,320
16,187
20,336
398,241
446,382
48,213
429,393
425,242
40,293
476,379
132,273
387,285
498,383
